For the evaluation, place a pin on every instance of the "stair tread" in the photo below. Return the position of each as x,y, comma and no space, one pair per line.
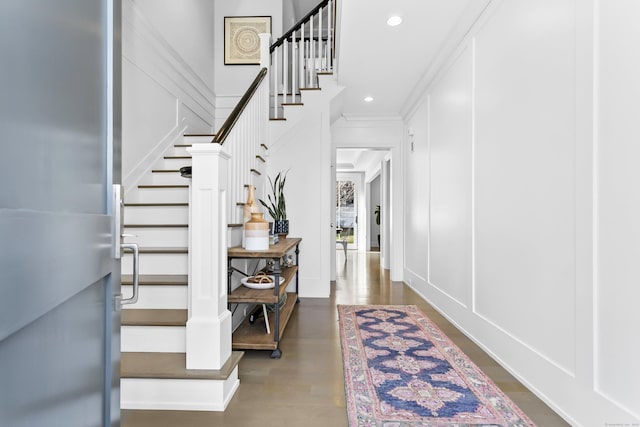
154,204
154,317
162,250
177,157
163,186
156,279
156,225
172,366
165,171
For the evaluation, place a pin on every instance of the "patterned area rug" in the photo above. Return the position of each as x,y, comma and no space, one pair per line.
401,370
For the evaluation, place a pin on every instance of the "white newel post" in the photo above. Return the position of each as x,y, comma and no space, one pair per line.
265,54
209,321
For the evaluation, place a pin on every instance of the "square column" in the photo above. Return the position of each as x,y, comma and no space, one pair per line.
209,321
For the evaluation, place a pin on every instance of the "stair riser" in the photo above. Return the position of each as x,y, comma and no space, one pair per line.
178,151
174,164
157,297
167,178
156,215
177,394
160,339
158,237
198,139
160,195
156,264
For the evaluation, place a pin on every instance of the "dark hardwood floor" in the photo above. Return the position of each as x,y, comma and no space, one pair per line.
306,387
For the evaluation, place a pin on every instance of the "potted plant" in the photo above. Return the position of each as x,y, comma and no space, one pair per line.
277,206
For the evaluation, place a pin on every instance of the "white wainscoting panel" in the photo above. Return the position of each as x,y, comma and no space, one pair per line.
617,333
525,175
553,195
450,166
416,198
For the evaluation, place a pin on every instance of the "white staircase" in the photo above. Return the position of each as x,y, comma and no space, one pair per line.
153,338
181,318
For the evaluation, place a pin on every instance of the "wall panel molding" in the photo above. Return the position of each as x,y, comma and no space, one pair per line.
154,71
144,46
554,207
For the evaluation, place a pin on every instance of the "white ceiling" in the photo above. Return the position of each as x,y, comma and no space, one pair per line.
359,160
389,63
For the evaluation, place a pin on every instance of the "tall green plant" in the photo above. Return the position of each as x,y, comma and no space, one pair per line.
277,206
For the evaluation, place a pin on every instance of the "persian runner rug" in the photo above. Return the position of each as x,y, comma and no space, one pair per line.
401,370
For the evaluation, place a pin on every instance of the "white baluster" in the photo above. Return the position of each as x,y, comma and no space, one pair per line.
275,83
294,65
330,36
312,53
281,78
285,69
320,37
303,81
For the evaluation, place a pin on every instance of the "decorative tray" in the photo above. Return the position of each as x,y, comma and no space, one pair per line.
245,282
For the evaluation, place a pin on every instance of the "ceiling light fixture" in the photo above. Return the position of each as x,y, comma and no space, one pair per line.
368,99
394,21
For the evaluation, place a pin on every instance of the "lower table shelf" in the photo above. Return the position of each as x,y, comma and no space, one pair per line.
254,336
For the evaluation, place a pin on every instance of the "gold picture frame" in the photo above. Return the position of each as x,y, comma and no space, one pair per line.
242,40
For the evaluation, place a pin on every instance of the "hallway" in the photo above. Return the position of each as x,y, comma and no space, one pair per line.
305,387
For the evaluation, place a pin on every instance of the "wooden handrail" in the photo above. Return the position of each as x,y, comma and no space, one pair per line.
222,134
298,25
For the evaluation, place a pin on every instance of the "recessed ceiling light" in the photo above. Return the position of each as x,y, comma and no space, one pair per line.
394,21
368,99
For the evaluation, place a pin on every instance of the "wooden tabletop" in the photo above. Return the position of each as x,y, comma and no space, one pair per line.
275,251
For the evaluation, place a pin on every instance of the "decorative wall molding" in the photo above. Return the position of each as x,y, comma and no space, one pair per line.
150,55
144,46
135,176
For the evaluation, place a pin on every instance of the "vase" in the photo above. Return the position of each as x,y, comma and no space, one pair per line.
281,227
256,233
249,208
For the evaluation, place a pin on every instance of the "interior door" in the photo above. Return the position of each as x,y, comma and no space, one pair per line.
59,121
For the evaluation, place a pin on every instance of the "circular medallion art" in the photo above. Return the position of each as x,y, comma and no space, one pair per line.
246,41
242,40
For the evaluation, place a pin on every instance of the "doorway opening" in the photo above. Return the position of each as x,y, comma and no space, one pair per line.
360,185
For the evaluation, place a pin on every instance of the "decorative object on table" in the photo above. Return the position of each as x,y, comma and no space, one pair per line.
246,211
273,237
260,281
401,369
281,303
242,40
256,233
287,260
277,206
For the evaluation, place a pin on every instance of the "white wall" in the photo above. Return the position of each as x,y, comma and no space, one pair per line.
512,237
304,149
231,81
617,235
167,78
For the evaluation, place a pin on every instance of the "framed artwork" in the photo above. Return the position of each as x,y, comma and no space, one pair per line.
241,40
